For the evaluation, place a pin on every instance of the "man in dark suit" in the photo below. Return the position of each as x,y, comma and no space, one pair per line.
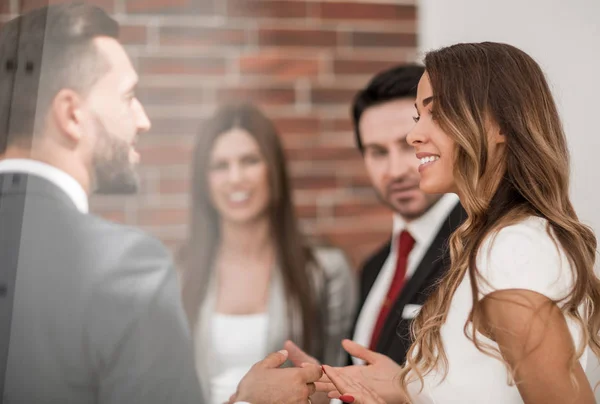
397,279
90,311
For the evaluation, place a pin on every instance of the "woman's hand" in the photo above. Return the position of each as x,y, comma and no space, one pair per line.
378,375
352,390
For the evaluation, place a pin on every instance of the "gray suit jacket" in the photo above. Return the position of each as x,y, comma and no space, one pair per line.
91,311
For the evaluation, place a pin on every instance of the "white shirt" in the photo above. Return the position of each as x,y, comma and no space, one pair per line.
237,342
423,230
50,173
521,256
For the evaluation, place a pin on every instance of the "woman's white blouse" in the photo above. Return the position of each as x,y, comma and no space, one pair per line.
238,342
520,256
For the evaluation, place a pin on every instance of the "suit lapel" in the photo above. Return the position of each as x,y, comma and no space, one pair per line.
368,275
434,259
371,271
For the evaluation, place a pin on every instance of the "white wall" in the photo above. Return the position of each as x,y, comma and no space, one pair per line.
564,37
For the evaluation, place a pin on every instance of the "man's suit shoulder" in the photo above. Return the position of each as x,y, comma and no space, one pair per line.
120,243
377,258
124,265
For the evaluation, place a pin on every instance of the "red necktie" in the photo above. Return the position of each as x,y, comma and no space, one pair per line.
405,245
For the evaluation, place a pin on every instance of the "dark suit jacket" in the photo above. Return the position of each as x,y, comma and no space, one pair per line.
395,338
90,310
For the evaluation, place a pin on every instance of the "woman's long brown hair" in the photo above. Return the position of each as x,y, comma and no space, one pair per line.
295,259
475,84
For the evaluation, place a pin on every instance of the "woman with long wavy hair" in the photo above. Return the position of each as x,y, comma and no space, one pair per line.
250,279
517,316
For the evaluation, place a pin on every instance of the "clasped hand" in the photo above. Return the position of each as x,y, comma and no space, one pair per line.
373,383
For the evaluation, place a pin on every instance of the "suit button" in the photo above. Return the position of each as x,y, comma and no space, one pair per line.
3,290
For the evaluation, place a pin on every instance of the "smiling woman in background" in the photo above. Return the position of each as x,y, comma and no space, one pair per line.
249,279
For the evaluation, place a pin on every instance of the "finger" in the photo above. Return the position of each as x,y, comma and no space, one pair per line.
311,373
325,387
274,360
359,351
312,389
324,379
334,394
335,377
297,356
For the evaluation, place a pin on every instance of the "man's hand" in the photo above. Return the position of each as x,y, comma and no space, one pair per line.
298,357
378,374
265,383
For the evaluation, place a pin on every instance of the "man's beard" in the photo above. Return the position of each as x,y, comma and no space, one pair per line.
114,173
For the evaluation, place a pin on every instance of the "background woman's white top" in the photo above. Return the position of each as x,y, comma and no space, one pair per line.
238,342
521,256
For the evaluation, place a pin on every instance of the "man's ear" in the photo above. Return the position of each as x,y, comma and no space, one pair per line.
67,113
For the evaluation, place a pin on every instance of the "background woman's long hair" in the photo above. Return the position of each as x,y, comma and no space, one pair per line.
473,85
293,256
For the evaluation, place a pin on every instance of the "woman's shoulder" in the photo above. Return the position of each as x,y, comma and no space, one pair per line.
331,259
525,255
530,236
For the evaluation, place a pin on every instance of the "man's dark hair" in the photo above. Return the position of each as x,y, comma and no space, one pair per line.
41,52
389,85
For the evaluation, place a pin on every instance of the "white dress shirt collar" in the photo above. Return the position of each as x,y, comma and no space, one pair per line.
425,228
56,176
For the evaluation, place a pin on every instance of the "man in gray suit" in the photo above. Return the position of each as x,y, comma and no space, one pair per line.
90,311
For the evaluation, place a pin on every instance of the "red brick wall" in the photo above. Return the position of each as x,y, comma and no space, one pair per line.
301,61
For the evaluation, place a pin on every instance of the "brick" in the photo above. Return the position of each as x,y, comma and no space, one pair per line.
204,66
169,7
339,124
116,216
202,36
266,9
296,140
332,95
133,34
323,153
364,11
306,211
350,66
261,96
27,5
296,37
314,182
174,185
169,96
278,66
303,125
167,154
355,181
359,207
175,126
383,39
4,8
158,217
